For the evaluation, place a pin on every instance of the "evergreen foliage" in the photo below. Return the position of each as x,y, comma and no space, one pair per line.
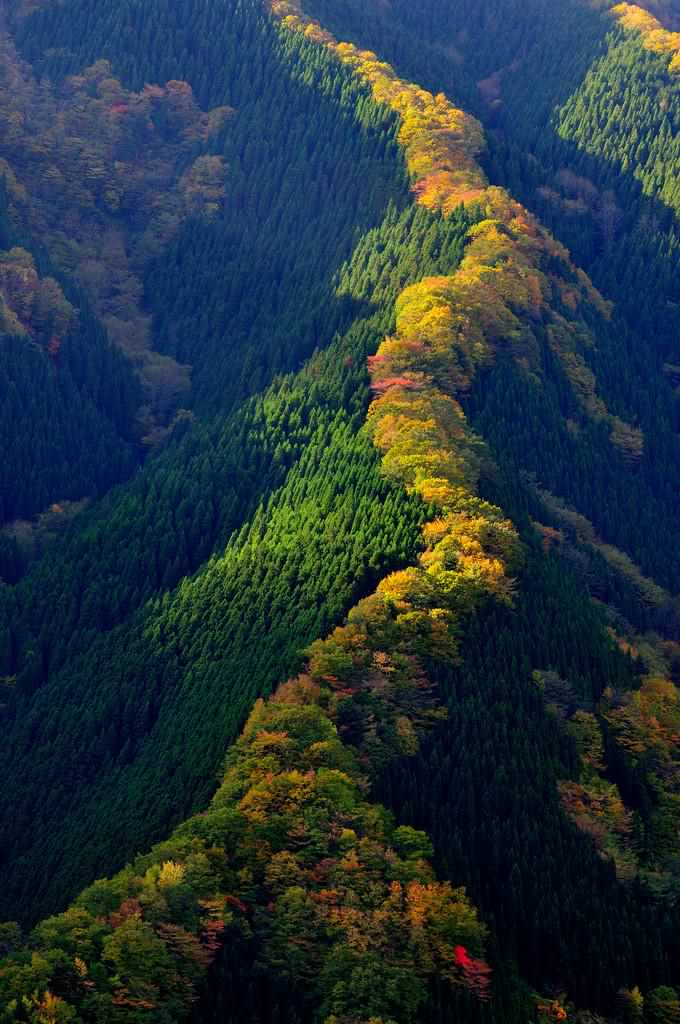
69,399
375,375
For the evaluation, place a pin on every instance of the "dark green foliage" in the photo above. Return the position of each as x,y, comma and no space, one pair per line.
266,268
167,690
141,643
484,789
57,442
246,296
634,507
638,133
67,419
482,37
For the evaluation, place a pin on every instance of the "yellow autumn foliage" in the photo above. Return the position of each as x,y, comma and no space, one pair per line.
171,874
653,35
435,135
448,328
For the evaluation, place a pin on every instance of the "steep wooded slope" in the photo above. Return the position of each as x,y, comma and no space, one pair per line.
68,419
632,358
520,329
122,189
191,497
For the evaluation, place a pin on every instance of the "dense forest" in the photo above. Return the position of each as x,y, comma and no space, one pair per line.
339,518
69,397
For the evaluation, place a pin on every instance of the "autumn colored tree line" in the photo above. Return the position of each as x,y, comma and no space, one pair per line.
343,902
340,914
503,268
291,449
654,36
428,450
368,679
369,675
362,936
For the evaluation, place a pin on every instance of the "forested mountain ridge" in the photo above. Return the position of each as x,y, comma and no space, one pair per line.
656,36
617,559
492,308
309,417
64,191
404,698
444,171
68,419
104,177
654,330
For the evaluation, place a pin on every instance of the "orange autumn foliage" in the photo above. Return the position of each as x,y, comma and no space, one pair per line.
448,327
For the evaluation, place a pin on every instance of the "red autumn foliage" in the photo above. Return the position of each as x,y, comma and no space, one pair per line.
127,909
405,381
476,973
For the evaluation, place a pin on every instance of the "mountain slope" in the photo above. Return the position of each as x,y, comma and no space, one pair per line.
289,423
483,307
69,398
